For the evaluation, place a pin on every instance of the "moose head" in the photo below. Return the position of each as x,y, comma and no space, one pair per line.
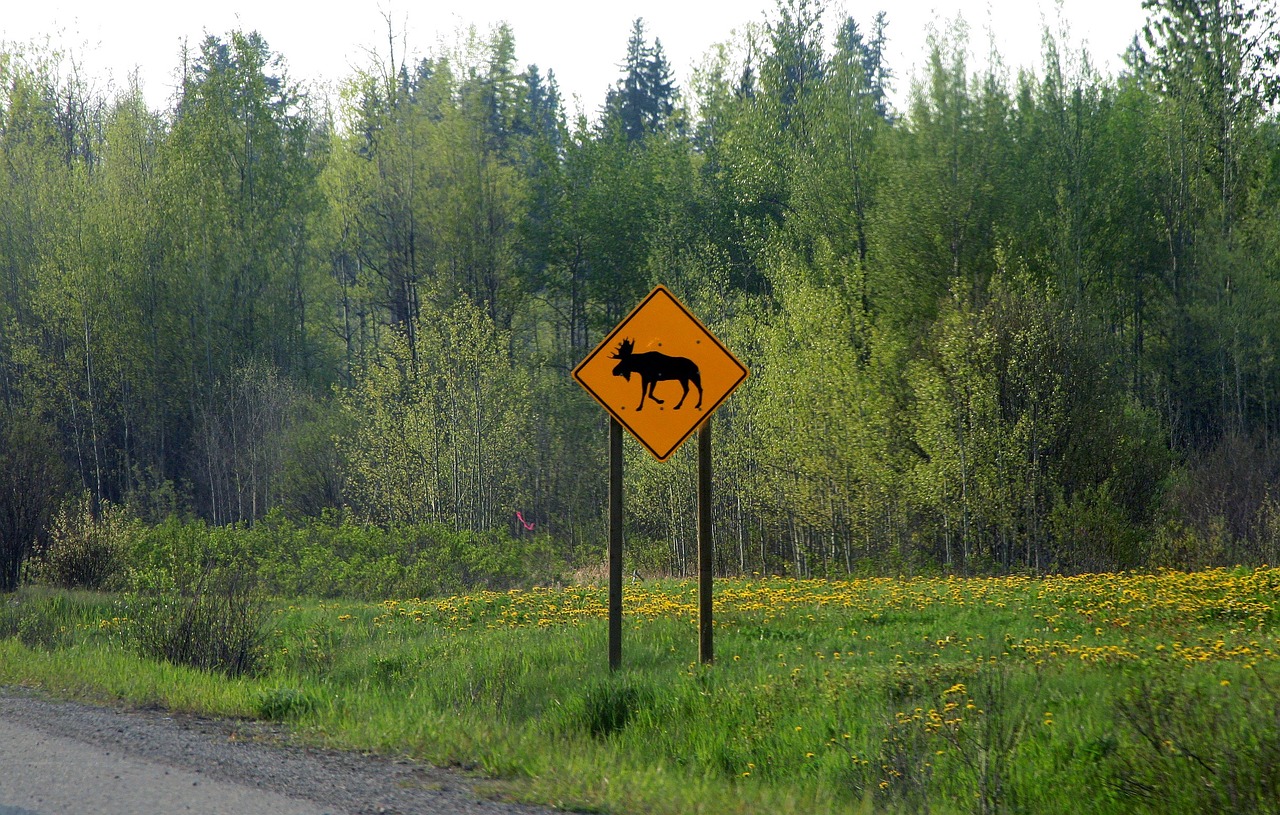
623,353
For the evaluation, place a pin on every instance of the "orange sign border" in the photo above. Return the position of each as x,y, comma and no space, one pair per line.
608,341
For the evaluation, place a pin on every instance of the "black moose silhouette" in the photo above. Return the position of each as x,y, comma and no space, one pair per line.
655,367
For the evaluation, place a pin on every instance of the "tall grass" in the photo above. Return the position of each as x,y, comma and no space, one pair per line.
1119,693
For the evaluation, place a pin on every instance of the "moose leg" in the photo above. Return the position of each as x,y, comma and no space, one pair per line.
653,383
697,380
684,383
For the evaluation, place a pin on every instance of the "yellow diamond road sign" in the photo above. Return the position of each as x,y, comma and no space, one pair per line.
660,373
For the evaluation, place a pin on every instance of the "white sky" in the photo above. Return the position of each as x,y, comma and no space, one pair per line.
583,41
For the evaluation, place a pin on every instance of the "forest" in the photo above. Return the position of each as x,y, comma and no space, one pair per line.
1026,323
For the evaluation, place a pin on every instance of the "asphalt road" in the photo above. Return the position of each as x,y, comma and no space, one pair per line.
66,758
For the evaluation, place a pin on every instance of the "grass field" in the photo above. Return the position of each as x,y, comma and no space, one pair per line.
1099,693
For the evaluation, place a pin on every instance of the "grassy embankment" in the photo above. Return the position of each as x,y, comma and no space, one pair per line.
1111,693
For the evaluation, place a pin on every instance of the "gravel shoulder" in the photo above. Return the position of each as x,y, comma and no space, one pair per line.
245,755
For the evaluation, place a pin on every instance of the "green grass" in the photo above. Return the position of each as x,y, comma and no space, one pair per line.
995,695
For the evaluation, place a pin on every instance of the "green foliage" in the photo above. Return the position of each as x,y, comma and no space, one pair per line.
336,557
1174,545
1007,434
944,694
313,471
943,203
50,620
86,550
1198,749
281,704
644,99
31,483
1020,323
607,706
218,622
1094,533
440,429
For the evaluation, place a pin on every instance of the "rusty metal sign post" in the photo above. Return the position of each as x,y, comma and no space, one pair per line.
661,344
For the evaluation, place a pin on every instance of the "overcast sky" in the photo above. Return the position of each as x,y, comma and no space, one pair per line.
583,42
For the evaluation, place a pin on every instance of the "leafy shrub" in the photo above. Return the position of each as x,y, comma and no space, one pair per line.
8,617
331,556
1094,532
37,630
219,624
176,555
84,550
1178,546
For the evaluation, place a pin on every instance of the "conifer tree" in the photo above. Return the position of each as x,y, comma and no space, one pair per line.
643,100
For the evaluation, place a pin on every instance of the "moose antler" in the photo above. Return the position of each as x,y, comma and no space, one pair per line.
624,349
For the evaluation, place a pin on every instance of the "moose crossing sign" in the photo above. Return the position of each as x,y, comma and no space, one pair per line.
660,373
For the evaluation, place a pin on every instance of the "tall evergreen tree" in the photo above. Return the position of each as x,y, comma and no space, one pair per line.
644,98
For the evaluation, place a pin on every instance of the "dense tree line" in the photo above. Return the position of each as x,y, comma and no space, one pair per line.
1029,321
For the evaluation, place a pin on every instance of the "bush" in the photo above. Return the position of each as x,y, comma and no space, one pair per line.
85,551
218,624
332,556
1094,532
1175,545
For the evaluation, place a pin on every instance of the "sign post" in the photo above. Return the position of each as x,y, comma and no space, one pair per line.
705,560
615,544
660,374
